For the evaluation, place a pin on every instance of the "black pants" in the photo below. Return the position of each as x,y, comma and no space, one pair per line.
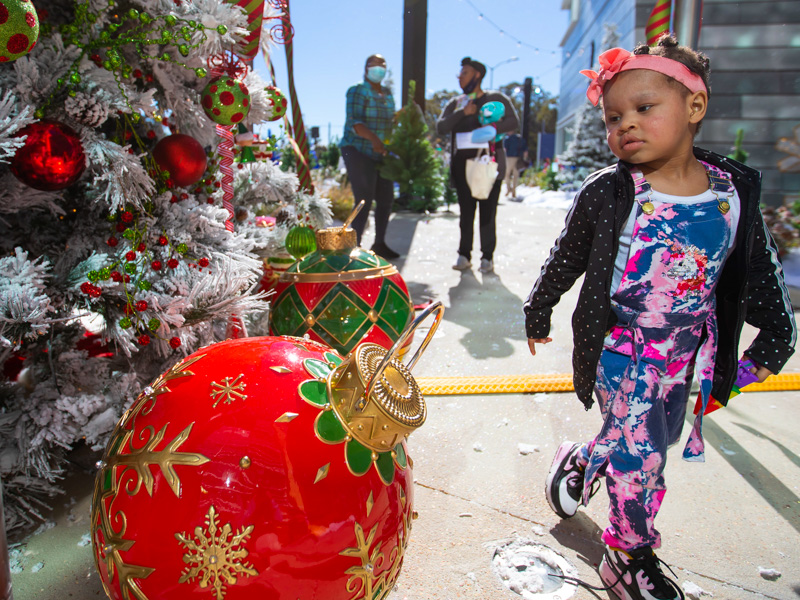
467,205
368,185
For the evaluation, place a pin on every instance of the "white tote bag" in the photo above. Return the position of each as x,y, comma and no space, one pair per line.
481,175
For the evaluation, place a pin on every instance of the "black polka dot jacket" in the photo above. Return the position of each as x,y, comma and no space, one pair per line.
751,286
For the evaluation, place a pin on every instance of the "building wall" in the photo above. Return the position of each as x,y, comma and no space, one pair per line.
754,47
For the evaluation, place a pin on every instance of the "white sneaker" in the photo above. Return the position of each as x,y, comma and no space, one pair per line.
462,263
487,266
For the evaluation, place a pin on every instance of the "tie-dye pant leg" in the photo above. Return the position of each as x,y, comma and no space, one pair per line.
651,420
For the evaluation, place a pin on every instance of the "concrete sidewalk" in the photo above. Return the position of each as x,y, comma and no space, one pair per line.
721,522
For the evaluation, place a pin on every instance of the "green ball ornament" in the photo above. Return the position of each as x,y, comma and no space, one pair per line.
125,322
170,20
300,241
226,100
222,29
145,285
183,49
277,101
130,268
200,72
182,248
93,276
153,324
105,273
19,29
129,234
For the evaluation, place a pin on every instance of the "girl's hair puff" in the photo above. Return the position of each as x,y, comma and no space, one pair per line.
695,61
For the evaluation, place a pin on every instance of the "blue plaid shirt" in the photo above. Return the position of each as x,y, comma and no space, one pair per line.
375,111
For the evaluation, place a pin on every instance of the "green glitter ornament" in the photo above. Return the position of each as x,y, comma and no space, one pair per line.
182,248
19,29
125,322
105,273
153,324
226,100
130,268
145,285
93,276
300,241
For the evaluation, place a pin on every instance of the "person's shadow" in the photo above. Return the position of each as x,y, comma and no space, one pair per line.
493,315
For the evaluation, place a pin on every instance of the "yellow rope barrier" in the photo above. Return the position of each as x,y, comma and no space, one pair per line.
560,382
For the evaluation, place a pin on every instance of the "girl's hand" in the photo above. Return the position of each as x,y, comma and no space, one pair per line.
761,372
533,341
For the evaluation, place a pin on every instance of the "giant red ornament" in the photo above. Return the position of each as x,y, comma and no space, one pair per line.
261,469
52,157
183,157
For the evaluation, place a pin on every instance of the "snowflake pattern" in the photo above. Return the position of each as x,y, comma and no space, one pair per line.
687,265
216,557
229,390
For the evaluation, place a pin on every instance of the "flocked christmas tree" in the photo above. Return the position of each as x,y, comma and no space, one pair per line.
411,161
588,150
113,264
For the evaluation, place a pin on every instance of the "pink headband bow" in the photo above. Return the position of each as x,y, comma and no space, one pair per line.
617,60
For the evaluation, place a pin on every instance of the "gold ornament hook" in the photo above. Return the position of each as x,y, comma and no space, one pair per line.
394,351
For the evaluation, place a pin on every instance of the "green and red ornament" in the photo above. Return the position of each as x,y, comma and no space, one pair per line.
19,29
341,295
51,158
182,157
266,467
277,102
226,100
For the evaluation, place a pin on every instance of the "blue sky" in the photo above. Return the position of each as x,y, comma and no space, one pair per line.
333,39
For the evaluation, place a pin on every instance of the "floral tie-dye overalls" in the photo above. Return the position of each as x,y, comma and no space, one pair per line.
666,331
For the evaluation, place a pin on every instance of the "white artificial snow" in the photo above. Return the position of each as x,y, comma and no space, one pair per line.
527,568
526,449
694,591
478,447
768,573
86,539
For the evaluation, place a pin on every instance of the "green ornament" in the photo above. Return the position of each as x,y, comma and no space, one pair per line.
187,36
107,65
166,35
125,322
130,268
226,100
105,273
111,217
154,324
133,13
19,29
135,117
182,248
145,285
184,30
200,72
38,113
222,29
171,20
183,49
166,57
193,24
93,276
300,241
145,18
72,93
75,78
129,234
105,36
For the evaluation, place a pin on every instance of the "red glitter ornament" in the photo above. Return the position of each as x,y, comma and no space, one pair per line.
172,263
127,216
141,305
52,157
203,262
116,276
141,247
182,157
156,264
144,339
175,342
130,256
112,241
162,240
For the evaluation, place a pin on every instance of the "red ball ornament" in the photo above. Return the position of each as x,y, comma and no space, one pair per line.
277,101
175,342
260,468
52,157
183,157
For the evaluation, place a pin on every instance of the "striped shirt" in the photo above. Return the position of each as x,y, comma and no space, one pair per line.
365,105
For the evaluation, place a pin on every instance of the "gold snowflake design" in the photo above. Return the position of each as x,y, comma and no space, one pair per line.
229,390
216,557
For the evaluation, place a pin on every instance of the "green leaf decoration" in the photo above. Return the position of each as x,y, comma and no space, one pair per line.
317,367
385,467
400,456
333,358
359,458
314,392
329,429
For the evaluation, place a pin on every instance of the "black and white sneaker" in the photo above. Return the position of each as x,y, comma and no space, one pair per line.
637,575
564,485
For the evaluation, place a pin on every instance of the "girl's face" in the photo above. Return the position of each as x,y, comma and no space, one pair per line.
648,120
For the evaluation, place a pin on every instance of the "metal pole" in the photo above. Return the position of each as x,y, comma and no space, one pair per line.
415,32
5,567
688,18
526,110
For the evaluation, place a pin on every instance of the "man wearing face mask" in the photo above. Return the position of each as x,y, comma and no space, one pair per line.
460,117
370,109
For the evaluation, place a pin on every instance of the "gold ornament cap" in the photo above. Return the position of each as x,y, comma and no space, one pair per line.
375,395
336,238
392,409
